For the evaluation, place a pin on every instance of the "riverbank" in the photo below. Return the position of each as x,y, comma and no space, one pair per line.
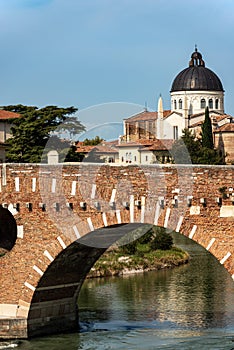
114,263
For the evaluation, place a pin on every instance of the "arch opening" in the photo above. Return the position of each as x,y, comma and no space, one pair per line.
54,306
193,288
8,230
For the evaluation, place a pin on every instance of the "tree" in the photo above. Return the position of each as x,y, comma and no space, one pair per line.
186,149
210,156
93,142
73,156
35,127
163,240
207,133
189,150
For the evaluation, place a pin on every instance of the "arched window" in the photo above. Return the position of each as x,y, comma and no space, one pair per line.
130,157
175,132
175,104
210,104
217,103
180,104
126,157
203,103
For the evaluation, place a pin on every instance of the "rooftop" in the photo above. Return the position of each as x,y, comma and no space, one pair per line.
6,115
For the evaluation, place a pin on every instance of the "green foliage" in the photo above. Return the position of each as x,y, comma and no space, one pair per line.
73,156
130,248
189,150
147,237
163,241
93,142
210,156
207,134
34,128
186,149
154,238
113,263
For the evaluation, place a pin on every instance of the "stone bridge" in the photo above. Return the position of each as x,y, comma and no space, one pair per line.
57,220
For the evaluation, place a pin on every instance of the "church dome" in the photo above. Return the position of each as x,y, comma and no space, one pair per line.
196,77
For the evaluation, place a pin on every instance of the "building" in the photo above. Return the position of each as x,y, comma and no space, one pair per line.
224,141
6,119
105,152
192,90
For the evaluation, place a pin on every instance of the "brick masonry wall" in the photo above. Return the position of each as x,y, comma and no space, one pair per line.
44,235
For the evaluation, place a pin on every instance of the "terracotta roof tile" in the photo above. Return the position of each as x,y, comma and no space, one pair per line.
146,115
170,113
195,124
228,127
104,149
140,142
150,145
160,145
211,112
5,115
221,117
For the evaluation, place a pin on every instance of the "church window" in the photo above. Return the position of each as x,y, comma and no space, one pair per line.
210,103
203,103
130,157
175,132
217,103
126,157
146,158
175,104
180,104
122,159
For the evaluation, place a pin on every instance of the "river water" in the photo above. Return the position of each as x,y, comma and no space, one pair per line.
189,307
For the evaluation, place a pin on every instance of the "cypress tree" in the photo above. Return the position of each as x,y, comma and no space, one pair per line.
207,133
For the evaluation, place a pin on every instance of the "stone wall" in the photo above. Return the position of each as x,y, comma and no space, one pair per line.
56,206
224,142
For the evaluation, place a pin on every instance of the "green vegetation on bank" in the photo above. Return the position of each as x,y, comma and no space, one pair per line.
152,251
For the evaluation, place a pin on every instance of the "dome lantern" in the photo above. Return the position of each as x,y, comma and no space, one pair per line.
196,59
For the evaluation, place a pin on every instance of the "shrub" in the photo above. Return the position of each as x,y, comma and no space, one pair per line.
129,248
162,241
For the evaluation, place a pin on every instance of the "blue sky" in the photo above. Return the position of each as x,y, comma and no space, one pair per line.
93,52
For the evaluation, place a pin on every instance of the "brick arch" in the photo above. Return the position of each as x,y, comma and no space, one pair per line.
47,225
53,307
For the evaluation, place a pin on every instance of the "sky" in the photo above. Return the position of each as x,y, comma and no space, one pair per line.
109,58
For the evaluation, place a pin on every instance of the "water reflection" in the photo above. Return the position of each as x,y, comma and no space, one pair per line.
195,296
190,307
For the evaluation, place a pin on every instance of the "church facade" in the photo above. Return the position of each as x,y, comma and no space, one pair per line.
192,90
